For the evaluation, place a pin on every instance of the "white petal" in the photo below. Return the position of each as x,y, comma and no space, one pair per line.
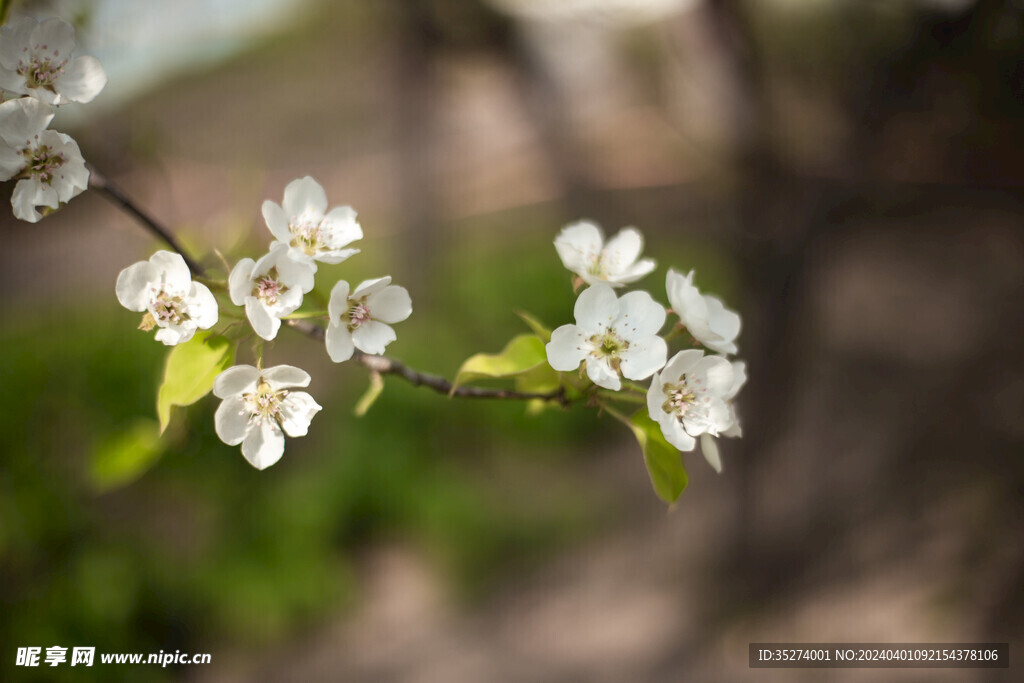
286,303
202,306
336,256
643,358
174,334
262,320
15,35
340,228
656,396
689,305
373,337
240,281
718,375
636,271
722,321
579,245
338,303
172,271
566,348
392,305
55,34
368,287
231,420
22,119
596,308
710,450
296,412
295,274
236,380
11,80
11,162
30,193
339,342
133,285
83,79
263,445
600,372
682,363
304,194
639,316
739,374
621,251
277,220
675,434
284,376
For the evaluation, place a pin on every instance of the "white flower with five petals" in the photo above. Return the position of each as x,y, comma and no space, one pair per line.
688,398
35,60
269,288
163,287
612,336
49,163
362,320
706,318
311,232
582,248
258,408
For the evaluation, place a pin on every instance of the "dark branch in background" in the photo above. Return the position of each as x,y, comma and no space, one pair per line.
380,364
383,365
116,195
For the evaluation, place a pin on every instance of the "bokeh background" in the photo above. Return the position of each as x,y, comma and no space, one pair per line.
848,174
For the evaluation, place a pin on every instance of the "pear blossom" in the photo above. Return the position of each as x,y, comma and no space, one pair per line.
35,60
612,336
49,164
708,446
163,288
269,288
688,398
361,319
307,228
582,248
258,406
706,318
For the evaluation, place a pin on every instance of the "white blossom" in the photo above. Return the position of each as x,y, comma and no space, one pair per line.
688,398
269,288
258,406
706,318
582,248
49,164
35,60
163,288
361,320
708,446
307,228
612,336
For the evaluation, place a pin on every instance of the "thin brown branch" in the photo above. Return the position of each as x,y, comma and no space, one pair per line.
389,366
116,195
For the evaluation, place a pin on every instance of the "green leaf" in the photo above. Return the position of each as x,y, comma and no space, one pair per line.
537,326
540,379
521,354
372,392
664,462
190,371
124,458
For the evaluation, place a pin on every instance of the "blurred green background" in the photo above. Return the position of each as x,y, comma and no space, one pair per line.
846,174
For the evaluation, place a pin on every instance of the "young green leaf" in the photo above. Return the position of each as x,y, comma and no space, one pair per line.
190,371
127,456
523,353
537,326
664,462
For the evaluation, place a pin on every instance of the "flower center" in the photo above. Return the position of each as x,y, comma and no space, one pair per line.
680,398
42,71
357,315
307,233
42,162
268,288
264,403
608,345
167,309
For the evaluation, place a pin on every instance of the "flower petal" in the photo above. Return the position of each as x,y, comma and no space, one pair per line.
681,363
175,334
133,285
277,220
566,348
55,34
368,287
240,281
339,342
639,316
297,410
643,358
262,320
596,308
14,36
675,434
202,306
373,337
600,372
710,450
22,119
724,323
391,305
296,274
284,376
340,227
579,245
231,420
304,194
263,445
622,250
11,162
83,79
172,271
338,303
30,193
236,380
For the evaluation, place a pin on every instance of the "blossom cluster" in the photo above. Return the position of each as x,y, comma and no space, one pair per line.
36,67
617,338
259,405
